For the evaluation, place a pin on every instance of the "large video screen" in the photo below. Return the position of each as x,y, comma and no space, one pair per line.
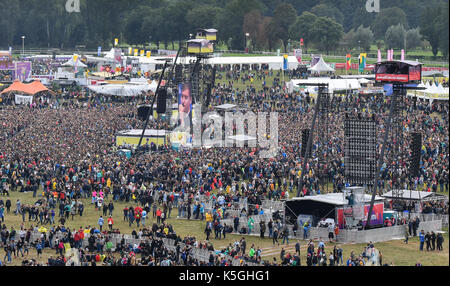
184,103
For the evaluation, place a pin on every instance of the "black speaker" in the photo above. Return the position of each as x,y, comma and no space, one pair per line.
178,74
161,101
416,146
143,112
305,136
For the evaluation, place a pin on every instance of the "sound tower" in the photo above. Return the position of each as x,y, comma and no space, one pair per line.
178,74
161,101
195,85
210,86
305,136
143,111
360,138
416,146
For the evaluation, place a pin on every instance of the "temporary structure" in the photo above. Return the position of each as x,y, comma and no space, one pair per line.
24,88
121,89
321,66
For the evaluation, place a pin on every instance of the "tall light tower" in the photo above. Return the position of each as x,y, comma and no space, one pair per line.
23,45
246,41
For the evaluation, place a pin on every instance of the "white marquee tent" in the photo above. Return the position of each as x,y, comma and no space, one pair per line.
321,66
126,89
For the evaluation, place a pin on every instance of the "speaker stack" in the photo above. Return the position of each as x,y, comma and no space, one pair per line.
360,150
305,136
161,101
143,111
416,146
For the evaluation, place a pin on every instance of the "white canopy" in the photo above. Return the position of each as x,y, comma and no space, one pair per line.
72,63
226,106
431,92
321,66
333,84
121,89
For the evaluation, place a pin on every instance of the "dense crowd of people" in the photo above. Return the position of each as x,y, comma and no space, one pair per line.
65,151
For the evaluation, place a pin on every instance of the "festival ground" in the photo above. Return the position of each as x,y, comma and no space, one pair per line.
396,251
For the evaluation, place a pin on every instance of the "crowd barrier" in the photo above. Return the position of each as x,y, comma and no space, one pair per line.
196,253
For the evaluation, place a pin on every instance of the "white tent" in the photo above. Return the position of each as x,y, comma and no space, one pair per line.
121,89
321,66
333,84
72,63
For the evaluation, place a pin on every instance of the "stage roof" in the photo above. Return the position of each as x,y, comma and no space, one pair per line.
226,106
138,132
411,195
27,88
336,199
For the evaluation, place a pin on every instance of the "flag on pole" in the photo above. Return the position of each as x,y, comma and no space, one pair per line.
392,54
130,51
136,52
116,41
379,56
348,61
285,62
362,62
99,51
403,55
142,53
149,53
301,41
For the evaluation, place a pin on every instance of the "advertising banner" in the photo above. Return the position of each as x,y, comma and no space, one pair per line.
22,71
23,99
298,55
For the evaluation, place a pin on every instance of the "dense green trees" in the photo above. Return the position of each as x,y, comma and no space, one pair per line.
271,24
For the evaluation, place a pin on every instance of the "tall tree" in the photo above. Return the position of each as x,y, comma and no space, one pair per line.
429,27
303,28
363,38
231,20
443,27
387,18
283,17
413,39
330,11
327,33
395,37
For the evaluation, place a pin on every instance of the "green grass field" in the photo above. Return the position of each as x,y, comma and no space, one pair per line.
395,252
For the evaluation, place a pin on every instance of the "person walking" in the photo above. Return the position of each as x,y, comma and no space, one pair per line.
439,241
275,237
270,226
236,223
433,240
428,240
208,230
421,239
297,247
100,222
110,223
286,235
262,228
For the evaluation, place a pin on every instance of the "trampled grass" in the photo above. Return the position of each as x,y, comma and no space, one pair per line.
395,251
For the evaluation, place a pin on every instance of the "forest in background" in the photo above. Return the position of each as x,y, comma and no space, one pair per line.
325,25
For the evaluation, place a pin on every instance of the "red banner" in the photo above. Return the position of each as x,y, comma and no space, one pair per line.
392,77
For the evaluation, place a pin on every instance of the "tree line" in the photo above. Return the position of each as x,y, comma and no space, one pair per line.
327,25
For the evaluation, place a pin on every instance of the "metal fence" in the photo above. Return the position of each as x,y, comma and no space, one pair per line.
196,253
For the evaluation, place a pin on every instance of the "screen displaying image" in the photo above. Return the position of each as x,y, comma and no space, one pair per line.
184,102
